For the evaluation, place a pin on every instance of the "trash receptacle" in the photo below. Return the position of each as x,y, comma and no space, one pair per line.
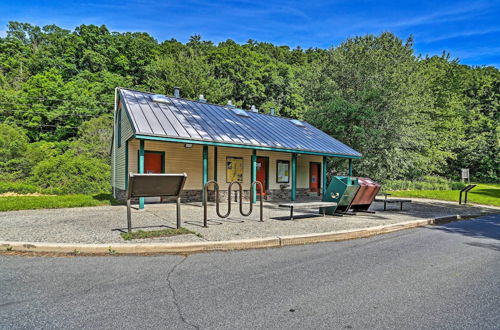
341,190
365,196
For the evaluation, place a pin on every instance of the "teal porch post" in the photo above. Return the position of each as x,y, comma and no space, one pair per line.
254,176
324,176
350,167
205,171
141,170
294,177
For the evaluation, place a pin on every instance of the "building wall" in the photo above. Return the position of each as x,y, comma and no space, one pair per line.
118,155
179,159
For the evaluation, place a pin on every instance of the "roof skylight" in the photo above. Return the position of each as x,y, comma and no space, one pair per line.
240,112
297,122
160,98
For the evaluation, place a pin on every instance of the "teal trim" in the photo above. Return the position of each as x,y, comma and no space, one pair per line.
126,165
243,146
324,175
254,176
141,170
205,170
350,167
294,177
215,163
119,135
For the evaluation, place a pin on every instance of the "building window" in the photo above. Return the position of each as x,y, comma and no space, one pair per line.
234,169
282,171
119,125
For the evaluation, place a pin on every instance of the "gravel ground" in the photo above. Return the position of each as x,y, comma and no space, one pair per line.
104,224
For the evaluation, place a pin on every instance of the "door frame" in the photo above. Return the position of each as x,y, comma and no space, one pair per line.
162,153
266,186
319,176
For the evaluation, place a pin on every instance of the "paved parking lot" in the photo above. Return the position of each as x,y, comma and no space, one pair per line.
104,224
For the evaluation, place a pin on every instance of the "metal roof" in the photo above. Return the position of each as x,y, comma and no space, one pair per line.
189,120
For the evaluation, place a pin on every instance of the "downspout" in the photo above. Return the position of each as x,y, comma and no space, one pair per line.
114,143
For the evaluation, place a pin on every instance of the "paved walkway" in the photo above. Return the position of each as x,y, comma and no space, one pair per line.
104,224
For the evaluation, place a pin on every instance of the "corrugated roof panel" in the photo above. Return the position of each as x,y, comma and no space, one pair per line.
180,118
143,101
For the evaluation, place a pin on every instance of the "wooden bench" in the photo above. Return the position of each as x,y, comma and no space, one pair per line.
307,205
392,200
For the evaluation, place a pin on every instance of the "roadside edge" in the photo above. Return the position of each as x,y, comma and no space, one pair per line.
244,244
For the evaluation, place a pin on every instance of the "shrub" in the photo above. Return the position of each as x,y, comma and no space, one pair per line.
457,185
17,187
72,174
426,183
435,179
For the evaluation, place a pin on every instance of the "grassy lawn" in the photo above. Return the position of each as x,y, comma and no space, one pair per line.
12,203
487,194
157,233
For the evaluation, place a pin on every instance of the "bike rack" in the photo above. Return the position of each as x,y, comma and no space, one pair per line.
217,200
466,191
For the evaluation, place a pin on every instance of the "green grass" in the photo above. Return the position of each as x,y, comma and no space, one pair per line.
13,203
487,194
157,233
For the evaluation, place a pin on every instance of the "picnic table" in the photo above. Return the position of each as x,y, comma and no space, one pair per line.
307,205
392,200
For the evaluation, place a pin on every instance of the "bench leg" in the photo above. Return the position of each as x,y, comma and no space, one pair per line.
385,205
291,213
129,216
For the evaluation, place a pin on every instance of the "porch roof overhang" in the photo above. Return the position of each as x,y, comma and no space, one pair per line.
234,145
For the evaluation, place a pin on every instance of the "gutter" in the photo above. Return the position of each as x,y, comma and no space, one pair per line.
235,145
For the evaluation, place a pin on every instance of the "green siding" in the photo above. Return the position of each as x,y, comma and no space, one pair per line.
127,132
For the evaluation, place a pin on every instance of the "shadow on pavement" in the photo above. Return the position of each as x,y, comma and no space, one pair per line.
487,226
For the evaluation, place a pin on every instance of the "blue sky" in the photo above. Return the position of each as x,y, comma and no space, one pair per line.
469,30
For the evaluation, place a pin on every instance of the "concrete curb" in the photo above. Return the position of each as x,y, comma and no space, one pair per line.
256,243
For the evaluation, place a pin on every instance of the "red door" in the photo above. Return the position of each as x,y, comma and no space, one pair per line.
314,182
262,174
152,162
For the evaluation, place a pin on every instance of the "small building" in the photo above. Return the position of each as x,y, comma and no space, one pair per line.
163,134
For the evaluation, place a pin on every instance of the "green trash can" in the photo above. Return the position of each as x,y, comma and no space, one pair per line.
342,190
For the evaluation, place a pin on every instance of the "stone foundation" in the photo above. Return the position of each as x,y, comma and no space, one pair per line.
195,195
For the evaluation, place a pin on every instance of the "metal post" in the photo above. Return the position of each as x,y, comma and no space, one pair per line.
141,169
324,176
253,188
350,167
129,216
205,170
178,212
294,177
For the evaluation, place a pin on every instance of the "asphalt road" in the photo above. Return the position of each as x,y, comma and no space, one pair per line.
437,277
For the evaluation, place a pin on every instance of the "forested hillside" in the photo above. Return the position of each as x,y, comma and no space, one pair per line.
409,115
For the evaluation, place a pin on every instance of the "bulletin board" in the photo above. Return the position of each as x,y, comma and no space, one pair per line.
234,169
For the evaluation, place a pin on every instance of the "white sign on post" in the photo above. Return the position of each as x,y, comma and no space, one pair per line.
465,174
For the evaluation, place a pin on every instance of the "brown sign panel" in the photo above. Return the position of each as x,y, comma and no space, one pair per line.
154,184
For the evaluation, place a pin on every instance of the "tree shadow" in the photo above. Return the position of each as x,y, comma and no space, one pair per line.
486,191
108,197
487,226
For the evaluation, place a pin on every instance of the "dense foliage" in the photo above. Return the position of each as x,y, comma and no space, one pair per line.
409,116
